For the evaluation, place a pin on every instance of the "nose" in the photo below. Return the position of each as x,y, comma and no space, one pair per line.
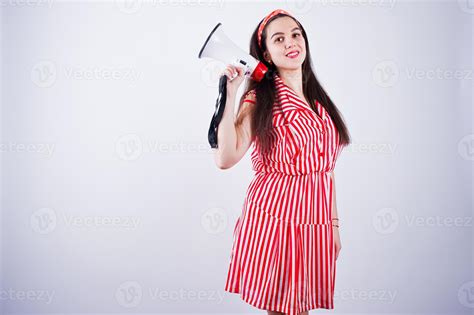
290,43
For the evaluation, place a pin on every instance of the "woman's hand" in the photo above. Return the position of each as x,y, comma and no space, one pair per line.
337,240
235,76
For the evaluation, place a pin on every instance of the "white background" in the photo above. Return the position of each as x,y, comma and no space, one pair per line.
111,201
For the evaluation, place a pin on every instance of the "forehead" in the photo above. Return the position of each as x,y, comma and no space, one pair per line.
282,24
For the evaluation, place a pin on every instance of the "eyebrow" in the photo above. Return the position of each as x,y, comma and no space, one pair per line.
296,28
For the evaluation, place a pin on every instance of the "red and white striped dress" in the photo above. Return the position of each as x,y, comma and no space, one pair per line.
283,254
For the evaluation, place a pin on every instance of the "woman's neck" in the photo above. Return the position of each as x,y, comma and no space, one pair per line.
293,78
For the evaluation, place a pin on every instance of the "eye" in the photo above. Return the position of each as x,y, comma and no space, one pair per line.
278,38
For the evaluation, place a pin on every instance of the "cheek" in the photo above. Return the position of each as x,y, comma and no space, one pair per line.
302,43
273,50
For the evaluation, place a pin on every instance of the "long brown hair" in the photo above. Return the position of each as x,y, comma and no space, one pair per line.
266,90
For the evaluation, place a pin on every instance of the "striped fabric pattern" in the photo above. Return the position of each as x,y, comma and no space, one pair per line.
283,255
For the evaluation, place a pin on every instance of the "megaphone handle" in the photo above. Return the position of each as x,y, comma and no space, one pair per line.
241,64
216,118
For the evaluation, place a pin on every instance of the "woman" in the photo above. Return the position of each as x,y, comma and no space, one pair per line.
286,240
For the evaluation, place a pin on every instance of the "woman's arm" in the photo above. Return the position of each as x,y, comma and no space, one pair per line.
234,136
334,206
335,229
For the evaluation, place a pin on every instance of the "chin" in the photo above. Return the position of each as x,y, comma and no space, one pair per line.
293,63
292,66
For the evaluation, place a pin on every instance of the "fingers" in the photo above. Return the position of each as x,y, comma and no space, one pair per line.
228,73
240,70
232,71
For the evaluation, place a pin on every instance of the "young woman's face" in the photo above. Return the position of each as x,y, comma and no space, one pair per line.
283,37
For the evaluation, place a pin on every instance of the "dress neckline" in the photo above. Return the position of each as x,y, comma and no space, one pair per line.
293,93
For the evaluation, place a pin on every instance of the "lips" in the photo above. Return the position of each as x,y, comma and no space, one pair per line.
293,54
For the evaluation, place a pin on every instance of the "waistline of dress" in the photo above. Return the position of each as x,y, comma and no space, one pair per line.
262,172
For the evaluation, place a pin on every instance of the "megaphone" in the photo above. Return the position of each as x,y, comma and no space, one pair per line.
218,46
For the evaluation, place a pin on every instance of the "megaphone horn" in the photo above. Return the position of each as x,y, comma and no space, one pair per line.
218,46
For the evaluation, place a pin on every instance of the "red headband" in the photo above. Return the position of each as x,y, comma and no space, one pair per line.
265,21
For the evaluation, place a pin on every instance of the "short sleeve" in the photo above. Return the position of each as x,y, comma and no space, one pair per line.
250,96
246,106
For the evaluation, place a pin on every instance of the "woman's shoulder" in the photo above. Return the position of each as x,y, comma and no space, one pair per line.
246,106
250,96
251,92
